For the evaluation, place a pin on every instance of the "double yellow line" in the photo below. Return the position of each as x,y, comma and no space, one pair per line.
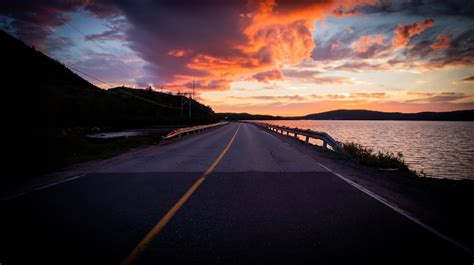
137,251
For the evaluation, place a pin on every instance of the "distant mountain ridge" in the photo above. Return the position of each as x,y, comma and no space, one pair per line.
460,115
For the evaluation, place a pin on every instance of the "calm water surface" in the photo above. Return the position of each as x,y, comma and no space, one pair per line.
441,149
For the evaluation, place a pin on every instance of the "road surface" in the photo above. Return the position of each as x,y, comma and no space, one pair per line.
232,195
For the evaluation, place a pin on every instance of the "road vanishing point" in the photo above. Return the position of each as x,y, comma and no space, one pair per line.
236,194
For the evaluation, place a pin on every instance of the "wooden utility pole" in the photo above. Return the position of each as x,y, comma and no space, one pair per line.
191,97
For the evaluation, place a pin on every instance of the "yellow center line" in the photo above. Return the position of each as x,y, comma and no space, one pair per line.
136,252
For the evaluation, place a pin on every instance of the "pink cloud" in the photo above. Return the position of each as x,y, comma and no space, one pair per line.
365,42
442,42
404,33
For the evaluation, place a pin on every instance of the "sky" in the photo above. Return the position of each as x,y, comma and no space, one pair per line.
273,57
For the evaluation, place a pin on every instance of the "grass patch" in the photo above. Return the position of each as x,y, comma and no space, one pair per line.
381,160
78,148
34,153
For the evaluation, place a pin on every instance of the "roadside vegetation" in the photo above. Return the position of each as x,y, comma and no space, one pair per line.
382,160
75,147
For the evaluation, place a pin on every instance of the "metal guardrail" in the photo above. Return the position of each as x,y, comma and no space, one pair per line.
190,130
308,134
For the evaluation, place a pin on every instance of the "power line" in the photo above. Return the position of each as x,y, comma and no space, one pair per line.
123,92
93,41
77,70
145,99
104,82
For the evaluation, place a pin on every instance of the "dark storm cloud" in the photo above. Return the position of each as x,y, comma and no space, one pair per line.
33,19
460,51
422,8
212,40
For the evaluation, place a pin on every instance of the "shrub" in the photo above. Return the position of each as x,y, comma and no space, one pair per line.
382,160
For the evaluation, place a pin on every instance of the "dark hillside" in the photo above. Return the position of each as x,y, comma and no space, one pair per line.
47,109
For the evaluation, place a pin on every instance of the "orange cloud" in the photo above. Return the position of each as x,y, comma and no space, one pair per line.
177,53
273,33
442,42
404,33
365,42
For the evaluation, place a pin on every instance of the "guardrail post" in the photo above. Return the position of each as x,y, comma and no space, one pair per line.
306,140
296,135
325,145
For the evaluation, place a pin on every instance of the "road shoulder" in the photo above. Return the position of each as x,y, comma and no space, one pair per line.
441,204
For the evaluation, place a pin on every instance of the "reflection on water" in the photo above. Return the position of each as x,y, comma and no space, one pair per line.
441,149
110,135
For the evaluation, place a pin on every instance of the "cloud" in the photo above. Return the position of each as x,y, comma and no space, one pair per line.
268,76
363,44
210,84
212,42
224,39
425,94
443,97
404,33
300,74
459,53
361,66
351,96
112,34
117,28
467,80
314,76
111,68
335,96
442,42
368,95
423,55
356,49
57,43
321,104
333,80
34,19
271,98
452,8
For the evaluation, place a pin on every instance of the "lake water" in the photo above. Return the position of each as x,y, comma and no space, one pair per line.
442,149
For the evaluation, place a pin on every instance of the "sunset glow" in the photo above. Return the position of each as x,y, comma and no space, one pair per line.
267,57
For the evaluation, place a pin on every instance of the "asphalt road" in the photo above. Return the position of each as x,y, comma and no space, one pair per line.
264,202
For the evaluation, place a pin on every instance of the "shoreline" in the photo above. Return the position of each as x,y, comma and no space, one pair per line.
434,149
